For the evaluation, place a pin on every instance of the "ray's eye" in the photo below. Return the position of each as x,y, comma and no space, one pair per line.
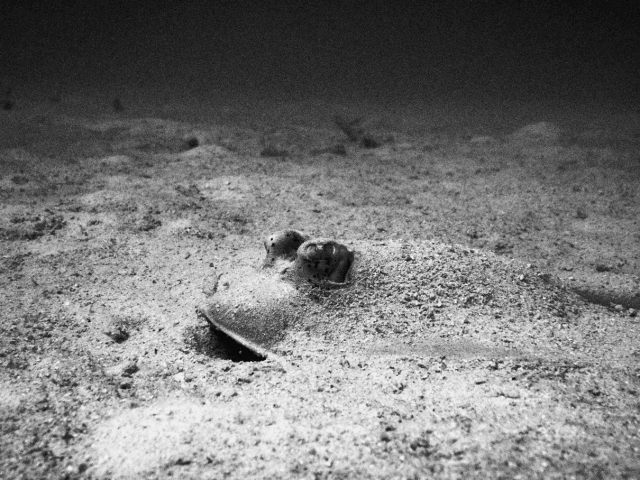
317,249
312,249
320,250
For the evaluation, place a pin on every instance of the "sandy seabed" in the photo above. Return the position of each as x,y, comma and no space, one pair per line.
502,342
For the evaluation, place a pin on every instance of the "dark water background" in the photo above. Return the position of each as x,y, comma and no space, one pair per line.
424,49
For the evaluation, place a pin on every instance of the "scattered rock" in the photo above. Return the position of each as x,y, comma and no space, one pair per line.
508,393
581,213
125,384
369,142
124,369
118,335
191,142
120,328
149,222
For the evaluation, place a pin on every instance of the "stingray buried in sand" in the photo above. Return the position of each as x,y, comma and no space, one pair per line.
381,298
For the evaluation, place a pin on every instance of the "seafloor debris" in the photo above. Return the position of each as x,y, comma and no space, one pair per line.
355,132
